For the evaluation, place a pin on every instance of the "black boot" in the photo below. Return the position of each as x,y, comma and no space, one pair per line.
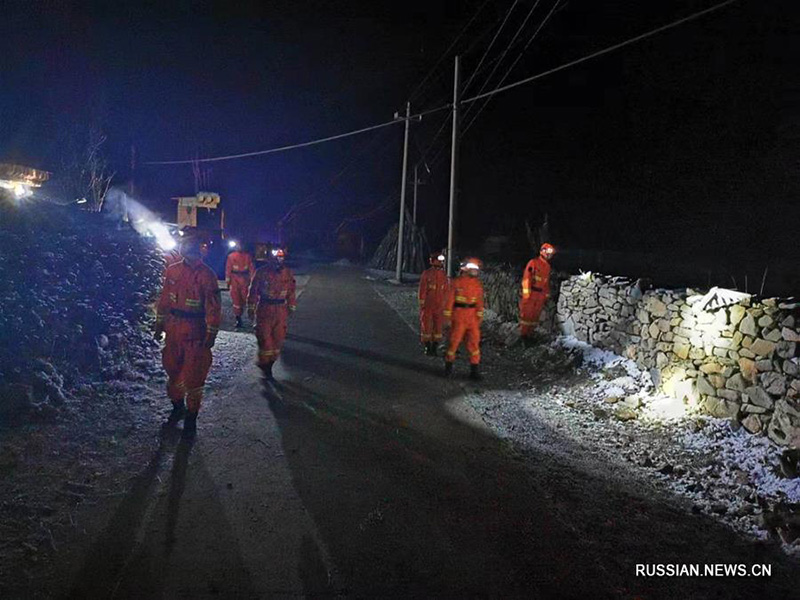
474,373
178,412
239,323
433,349
448,369
266,370
190,426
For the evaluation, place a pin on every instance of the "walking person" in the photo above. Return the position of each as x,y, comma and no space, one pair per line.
239,270
270,301
464,308
535,292
188,311
432,296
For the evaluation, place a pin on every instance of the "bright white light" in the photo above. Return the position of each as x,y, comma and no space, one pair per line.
180,233
440,257
665,408
274,252
471,265
719,297
162,235
232,244
20,189
81,201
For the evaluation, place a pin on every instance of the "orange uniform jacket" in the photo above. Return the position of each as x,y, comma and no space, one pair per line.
239,264
535,292
433,287
465,307
239,270
189,308
272,296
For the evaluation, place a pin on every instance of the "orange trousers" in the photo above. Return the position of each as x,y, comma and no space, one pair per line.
272,323
431,323
466,327
187,362
530,310
239,288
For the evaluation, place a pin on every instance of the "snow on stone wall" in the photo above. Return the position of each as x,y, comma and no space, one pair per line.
737,361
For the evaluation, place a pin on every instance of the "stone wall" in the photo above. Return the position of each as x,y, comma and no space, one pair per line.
737,361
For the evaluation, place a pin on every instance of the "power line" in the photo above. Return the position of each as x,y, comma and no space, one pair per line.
413,93
514,64
497,90
578,61
273,150
312,198
508,47
294,146
491,44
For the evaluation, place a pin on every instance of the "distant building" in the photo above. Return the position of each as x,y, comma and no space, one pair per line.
18,181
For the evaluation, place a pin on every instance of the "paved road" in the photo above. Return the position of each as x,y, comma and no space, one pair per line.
361,473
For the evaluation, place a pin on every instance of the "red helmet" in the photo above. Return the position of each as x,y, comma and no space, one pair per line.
547,251
437,259
471,265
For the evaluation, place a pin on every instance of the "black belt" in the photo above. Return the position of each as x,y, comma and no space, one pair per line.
273,301
535,289
241,272
463,305
185,314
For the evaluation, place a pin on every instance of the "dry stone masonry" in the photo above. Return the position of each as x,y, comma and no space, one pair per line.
737,361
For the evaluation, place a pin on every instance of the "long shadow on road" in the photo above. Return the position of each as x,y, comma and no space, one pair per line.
158,544
412,501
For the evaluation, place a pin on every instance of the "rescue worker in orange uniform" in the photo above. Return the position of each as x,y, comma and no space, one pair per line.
239,270
432,295
271,299
464,308
189,311
535,291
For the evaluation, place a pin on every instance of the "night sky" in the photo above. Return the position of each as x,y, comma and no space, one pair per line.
683,145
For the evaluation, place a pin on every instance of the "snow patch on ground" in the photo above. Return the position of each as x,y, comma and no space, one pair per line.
606,404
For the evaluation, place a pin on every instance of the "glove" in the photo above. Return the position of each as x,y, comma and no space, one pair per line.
158,331
211,338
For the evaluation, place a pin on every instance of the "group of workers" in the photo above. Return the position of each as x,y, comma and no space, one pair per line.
189,311
460,303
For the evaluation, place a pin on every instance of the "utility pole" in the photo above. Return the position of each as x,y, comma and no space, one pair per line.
416,182
453,173
398,271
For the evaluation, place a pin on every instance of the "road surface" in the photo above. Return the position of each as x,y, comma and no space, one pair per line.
360,472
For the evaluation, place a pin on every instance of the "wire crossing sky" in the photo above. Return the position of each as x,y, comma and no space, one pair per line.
490,93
